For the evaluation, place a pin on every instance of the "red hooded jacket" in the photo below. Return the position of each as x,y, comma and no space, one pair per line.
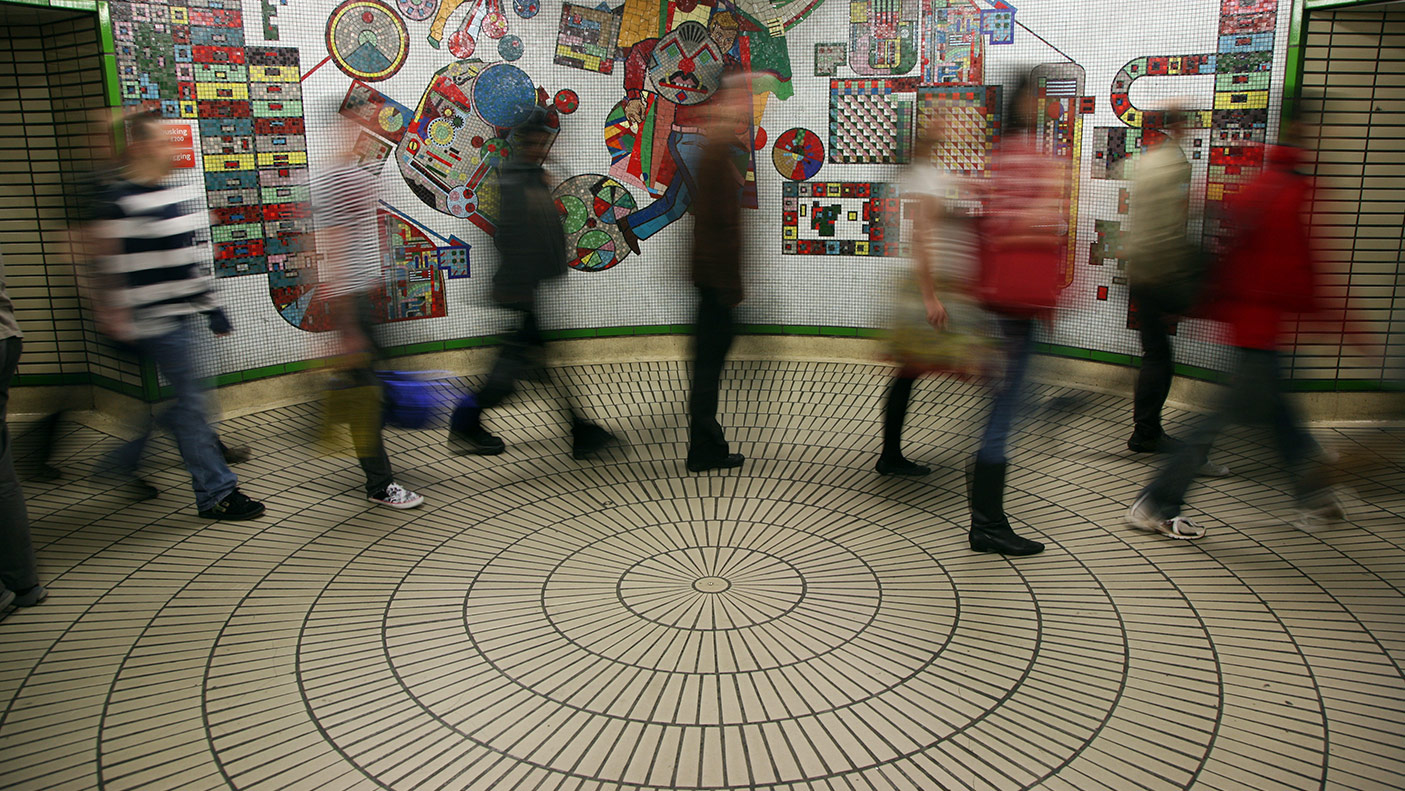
1267,271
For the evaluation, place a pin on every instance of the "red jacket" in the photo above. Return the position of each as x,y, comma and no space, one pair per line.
1267,270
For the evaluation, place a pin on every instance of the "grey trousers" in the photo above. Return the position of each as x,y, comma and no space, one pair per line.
17,568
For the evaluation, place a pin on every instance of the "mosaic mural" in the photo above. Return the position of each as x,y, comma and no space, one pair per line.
842,91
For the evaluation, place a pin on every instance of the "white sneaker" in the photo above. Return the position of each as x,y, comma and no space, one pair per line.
397,496
1140,517
1212,469
1330,511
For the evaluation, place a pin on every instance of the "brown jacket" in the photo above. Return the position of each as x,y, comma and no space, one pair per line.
717,232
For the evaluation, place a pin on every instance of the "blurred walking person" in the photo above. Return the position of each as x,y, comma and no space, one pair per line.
716,270
533,246
1165,274
1023,233
1266,274
349,244
153,284
936,327
19,574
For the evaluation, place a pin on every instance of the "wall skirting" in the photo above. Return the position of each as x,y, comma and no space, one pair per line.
107,408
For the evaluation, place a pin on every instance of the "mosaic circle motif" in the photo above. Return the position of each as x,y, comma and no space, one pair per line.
590,206
367,40
510,47
595,251
526,8
574,213
418,10
566,101
798,154
504,95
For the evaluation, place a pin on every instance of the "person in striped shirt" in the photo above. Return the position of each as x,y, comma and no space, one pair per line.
154,287
348,241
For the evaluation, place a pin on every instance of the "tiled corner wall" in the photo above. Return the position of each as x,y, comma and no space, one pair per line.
1354,74
51,86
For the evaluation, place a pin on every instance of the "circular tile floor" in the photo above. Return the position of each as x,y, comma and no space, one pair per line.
800,623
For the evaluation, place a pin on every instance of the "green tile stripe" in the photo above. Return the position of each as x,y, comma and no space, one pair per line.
1293,71
109,44
429,347
44,3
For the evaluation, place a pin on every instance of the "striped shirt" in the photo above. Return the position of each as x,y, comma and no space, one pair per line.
156,271
344,203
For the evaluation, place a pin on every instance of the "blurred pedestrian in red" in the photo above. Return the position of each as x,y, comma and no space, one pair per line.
1023,233
1266,274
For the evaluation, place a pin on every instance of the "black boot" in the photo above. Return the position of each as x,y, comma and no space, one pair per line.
892,461
990,530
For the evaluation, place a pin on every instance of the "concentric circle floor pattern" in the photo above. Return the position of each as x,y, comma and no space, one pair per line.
800,623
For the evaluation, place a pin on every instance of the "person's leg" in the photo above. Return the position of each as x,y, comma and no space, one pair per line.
18,571
1018,346
1164,497
367,436
186,417
891,461
466,432
1300,452
712,338
1153,379
990,528
686,148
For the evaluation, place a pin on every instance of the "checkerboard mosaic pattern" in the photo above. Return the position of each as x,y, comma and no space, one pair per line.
870,121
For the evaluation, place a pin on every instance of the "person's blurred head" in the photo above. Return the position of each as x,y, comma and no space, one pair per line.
532,141
149,154
1022,111
931,134
1175,119
346,131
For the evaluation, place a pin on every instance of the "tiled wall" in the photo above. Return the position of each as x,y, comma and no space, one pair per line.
51,84
1354,73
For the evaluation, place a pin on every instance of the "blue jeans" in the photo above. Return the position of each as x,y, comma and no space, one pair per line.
687,149
185,419
1018,346
1254,396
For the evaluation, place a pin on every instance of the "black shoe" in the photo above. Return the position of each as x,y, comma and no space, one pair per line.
235,455
900,466
235,507
1162,443
475,442
1004,541
588,438
730,461
140,490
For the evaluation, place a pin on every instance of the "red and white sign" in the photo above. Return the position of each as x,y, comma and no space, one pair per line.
180,137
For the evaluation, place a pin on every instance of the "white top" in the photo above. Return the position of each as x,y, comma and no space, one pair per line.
954,242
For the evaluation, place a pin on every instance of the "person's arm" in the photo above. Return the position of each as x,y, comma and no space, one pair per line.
924,253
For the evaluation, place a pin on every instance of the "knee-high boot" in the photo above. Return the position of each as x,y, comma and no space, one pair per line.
990,529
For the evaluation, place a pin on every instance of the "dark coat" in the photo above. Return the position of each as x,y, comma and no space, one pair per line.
529,234
717,232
